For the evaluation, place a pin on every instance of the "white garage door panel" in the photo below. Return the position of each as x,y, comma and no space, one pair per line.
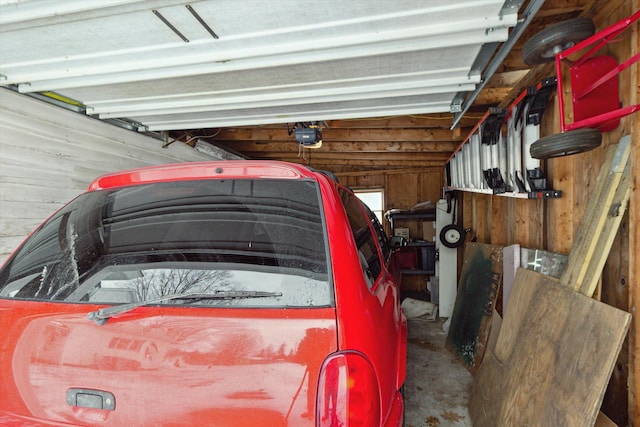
14,232
49,155
76,152
148,58
422,66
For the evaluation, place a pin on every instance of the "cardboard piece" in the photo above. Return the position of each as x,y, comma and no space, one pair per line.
552,360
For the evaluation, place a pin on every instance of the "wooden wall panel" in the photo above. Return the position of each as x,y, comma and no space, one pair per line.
503,220
403,190
633,278
465,210
529,223
615,292
618,281
559,228
552,224
482,220
502,210
628,277
358,182
430,188
560,221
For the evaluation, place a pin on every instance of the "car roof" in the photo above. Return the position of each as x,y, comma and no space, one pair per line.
224,169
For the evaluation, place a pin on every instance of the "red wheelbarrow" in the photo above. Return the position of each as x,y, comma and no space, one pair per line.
594,83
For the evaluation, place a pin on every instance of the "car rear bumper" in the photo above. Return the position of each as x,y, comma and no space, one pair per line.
396,415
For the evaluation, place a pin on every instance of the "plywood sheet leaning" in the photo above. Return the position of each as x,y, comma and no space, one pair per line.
552,360
478,289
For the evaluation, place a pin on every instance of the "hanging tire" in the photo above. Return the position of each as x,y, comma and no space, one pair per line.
452,236
542,47
566,143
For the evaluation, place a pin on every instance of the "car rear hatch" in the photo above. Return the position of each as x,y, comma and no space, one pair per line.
191,302
162,365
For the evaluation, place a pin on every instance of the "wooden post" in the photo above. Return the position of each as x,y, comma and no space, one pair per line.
634,242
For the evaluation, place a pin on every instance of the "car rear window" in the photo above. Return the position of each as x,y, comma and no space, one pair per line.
138,243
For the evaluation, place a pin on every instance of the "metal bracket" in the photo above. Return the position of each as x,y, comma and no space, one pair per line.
510,5
540,100
516,32
545,194
492,125
456,104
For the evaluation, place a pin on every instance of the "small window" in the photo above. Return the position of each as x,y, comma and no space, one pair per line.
374,199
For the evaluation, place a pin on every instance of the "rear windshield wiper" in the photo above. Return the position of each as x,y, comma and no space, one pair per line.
102,315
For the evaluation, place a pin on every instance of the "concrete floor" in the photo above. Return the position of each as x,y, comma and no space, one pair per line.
438,387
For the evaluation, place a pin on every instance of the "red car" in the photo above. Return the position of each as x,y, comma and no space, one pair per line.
233,293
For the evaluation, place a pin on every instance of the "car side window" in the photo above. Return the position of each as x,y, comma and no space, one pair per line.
380,234
365,240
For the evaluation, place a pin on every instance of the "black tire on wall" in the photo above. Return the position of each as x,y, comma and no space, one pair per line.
542,47
566,143
452,236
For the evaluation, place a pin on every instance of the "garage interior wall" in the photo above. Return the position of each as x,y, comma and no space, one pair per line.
403,189
552,224
49,155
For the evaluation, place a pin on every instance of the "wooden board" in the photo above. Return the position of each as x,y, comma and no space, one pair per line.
607,233
510,262
600,221
553,358
604,421
496,325
478,288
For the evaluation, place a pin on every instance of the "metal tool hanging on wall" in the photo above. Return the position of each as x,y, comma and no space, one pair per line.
495,158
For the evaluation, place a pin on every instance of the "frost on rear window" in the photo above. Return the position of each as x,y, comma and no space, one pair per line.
142,242
148,282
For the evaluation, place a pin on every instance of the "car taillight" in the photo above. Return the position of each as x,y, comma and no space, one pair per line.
347,392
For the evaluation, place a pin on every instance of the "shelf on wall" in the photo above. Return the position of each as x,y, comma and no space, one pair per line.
545,194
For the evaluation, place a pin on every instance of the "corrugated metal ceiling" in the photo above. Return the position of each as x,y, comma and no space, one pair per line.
170,64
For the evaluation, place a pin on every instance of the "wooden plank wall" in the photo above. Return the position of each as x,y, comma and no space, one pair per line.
623,273
551,224
403,189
